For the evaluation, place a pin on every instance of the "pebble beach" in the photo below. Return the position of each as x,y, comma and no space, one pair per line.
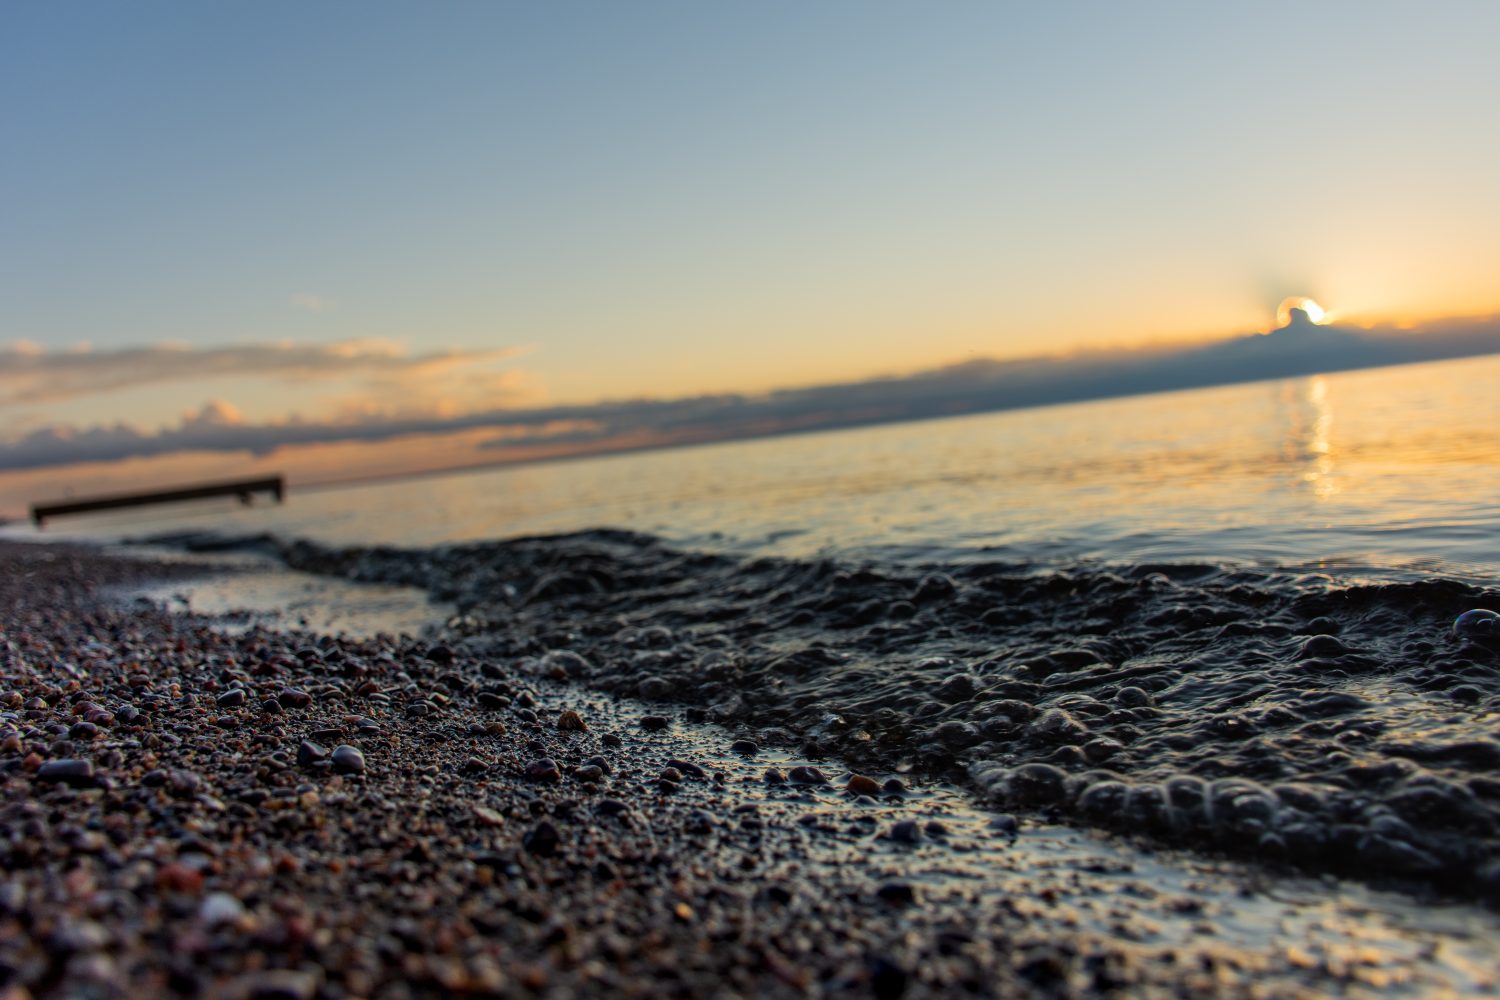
199,810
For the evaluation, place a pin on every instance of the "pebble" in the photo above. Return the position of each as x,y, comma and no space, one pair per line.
220,908
599,762
309,753
804,775
906,832
276,984
654,723
588,773
77,773
570,721
687,767
861,785
290,698
747,748
543,769
671,774
233,698
774,776
542,840
896,894
348,760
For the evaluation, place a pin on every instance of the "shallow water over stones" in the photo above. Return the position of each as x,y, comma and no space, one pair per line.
1281,715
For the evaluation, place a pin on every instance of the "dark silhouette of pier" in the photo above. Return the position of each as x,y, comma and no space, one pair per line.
245,489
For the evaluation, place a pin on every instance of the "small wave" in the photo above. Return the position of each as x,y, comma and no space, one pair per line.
1277,713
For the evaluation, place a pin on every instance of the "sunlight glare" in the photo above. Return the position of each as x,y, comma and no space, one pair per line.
1315,312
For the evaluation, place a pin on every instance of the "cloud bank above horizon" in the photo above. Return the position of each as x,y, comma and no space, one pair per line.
496,428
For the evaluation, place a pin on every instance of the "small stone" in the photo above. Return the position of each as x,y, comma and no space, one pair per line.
803,775
570,721
896,894
600,763
610,807
958,688
309,753
348,760
1132,697
893,786
291,698
861,785
543,769
488,817
233,698
588,773
610,740
654,723
671,774
220,908
77,773
687,767
490,700
747,748
276,984
542,840
906,832
774,776
440,654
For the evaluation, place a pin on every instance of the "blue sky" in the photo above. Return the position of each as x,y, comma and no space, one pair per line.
591,201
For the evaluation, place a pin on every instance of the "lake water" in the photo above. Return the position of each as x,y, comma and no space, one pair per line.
1223,617
1395,468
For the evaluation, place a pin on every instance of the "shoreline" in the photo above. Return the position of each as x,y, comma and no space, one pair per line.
207,849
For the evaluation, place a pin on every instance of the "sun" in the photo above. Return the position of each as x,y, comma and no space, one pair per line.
1315,312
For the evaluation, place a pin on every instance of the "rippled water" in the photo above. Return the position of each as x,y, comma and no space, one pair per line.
1392,468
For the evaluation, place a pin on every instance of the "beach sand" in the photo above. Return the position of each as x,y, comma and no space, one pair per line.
200,807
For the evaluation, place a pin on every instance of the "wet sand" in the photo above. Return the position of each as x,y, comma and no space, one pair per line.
208,806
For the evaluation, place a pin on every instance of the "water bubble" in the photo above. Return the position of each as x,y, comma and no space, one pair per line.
1480,623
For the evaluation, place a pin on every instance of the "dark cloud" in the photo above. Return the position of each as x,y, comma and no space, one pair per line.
974,386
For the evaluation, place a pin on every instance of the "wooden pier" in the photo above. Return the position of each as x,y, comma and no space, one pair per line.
245,489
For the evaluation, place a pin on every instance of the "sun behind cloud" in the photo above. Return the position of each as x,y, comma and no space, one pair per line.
1315,312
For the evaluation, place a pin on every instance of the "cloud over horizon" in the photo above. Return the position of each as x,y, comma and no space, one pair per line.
973,386
30,375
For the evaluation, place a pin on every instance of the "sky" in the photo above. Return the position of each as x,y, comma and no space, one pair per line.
276,215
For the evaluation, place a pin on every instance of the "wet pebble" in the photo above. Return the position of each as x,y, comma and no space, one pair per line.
570,721
291,698
861,785
542,840
896,894
233,698
77,773
905,832
747,748
348,760
774,776
309,753
687,767
543,769
654,723
805,775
